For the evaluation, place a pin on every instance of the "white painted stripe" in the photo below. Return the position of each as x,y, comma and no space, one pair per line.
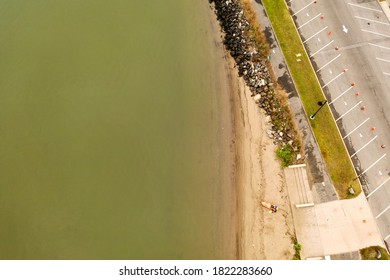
387,208
297,165
386,73
387,237
304,8
381,22
309,21
379,46
356,128
304,205
329,62
348,89
372,165
315,34
376,33
378,187
359,6
322,48
381,59
333,79
349,111
364,145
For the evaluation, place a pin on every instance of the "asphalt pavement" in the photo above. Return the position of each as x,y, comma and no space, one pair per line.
318,177
348,43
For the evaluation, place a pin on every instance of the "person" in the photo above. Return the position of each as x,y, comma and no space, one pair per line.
383,146
274,208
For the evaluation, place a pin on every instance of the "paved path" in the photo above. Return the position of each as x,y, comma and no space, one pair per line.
349,45
324,190
351,220
329,228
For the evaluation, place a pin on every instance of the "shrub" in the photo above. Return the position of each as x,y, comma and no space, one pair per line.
286,155
298,248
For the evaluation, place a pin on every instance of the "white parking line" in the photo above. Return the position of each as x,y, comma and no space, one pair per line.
380,214
387,237
381,59
333,79
348,89
379,46
309,21
386,73
376,33
359,6
381,22
372,165
349,110
355,127
304,8
322,48
365,145
378,187
329,62
315,34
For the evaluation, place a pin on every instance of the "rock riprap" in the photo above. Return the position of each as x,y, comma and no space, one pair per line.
251,67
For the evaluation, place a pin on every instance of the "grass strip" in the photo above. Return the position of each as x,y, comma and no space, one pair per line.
374,253
326,133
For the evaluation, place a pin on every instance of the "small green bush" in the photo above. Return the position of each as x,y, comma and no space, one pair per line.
286,155
298,248
370,253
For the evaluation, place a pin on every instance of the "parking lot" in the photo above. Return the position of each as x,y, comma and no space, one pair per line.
348,43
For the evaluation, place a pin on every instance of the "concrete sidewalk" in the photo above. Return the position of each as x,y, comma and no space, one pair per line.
323,188
330,228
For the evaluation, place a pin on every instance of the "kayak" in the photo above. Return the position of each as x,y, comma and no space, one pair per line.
270,206
266,204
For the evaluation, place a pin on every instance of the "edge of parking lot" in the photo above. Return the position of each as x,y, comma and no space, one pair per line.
328,137
274,46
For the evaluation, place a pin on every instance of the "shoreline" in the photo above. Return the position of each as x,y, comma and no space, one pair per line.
255,172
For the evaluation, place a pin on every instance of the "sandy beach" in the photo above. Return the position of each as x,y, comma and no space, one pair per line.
263,235
254,172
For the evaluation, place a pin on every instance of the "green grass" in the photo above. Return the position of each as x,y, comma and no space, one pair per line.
298,248
370,253
332,149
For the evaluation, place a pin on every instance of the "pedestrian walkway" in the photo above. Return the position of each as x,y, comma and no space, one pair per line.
329,228
297,178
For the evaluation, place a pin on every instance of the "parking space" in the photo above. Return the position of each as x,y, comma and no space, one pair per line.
349,46
375,26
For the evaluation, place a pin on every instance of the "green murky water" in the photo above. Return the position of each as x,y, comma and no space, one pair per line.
108,146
